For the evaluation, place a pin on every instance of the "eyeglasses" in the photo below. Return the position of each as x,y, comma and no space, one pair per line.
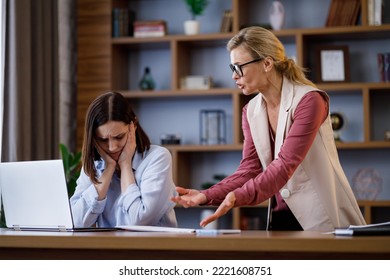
238,68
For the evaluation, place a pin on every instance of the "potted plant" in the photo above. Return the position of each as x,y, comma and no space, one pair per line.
2,217
196,8
72,167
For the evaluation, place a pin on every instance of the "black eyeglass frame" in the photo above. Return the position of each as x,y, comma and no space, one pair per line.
237,68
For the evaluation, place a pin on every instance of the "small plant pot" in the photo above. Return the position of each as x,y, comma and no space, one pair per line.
191,27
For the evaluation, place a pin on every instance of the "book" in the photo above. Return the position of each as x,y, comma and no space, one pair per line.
122,22
375,10
381,70
370,12
366,230
153,28
180,230
333,14
355,12
386,67
226,23
343,12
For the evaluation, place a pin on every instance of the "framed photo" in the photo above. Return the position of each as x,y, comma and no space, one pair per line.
333,64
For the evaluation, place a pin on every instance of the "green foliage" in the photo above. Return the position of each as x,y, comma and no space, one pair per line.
197,7
2,217
72,167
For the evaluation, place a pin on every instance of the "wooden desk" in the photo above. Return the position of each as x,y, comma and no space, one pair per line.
135,245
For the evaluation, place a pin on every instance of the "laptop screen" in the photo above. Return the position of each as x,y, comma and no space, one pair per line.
35,195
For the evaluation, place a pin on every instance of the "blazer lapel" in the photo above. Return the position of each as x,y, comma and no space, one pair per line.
260,132
285,106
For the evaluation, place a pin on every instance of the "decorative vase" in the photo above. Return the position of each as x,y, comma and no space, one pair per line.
147,82
191,27
276,16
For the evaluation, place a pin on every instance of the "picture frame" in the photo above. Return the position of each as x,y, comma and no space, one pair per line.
333,64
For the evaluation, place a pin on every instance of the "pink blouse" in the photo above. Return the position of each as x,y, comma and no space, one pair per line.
252,185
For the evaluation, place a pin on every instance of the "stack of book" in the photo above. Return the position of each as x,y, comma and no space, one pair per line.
152,28
375,12
343,12
226,23
122,22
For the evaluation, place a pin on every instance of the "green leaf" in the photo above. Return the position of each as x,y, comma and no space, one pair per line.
2,217
72,167
197,7
65,156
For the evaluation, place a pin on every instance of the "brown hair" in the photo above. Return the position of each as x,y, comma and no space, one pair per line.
262,43
110,106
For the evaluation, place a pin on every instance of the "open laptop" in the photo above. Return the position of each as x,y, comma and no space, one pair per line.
35,196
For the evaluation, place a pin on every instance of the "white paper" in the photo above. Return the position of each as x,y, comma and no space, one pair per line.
180,230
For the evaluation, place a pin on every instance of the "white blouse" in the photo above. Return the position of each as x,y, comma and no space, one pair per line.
147,202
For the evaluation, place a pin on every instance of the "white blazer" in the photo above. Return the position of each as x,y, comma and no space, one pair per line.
318,193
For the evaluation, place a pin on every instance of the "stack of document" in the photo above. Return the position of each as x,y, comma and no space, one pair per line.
371,229
180,230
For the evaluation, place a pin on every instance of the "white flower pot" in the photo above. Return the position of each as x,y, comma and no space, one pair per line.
191,27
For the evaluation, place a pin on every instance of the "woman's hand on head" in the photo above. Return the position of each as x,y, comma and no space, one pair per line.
189,197
225,207
106,157
128,150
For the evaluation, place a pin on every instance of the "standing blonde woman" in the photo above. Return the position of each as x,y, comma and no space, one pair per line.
289,154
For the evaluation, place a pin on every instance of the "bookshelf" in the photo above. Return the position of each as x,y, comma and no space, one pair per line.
106,63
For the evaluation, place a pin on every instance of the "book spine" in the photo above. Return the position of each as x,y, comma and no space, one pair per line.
338,13
152,22
330,13
224,22
386,67
115,23
356,12
370,12
143,34
229,21
153,29
146,28
381,69
149,29
122,22
377,12
125,22
131,16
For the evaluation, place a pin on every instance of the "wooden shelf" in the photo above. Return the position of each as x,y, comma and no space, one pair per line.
196,39
204,148
340,32
353,86
229,91
363,145
178,93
